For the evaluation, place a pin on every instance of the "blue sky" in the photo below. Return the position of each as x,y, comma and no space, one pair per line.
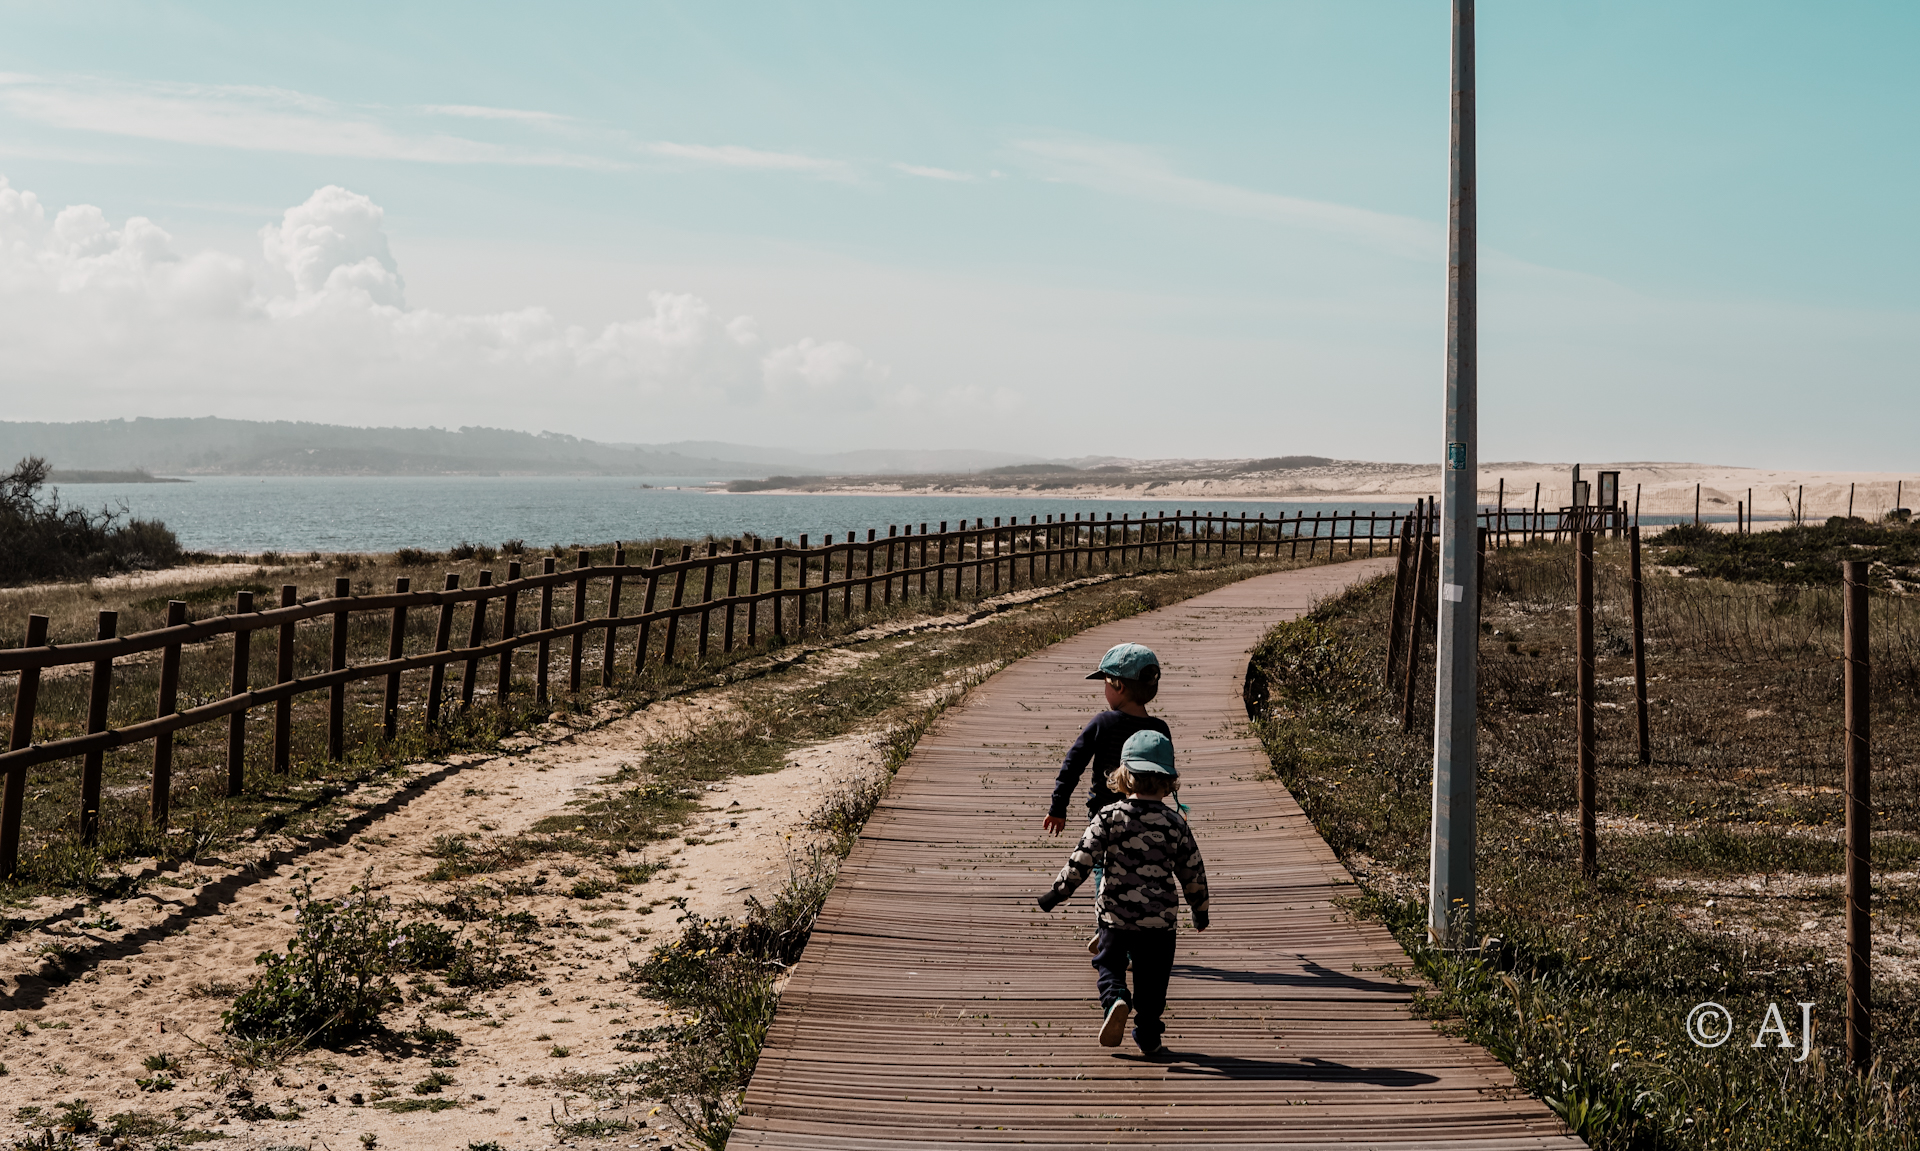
1061,228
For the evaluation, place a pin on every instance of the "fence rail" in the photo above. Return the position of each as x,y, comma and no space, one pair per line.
765,594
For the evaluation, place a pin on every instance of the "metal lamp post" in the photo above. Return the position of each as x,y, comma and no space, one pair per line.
1455,761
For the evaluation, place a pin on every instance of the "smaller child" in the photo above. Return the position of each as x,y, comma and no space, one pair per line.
1144,846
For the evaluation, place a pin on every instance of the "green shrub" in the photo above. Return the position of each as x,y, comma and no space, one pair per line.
334,979
40,539
427,945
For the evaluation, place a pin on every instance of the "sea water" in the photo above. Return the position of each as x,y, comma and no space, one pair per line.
300,514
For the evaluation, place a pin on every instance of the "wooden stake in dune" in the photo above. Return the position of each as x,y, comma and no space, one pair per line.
1800,506
1859,801
26,698
1696,505
237,722
1849,501
1585,784
1638,590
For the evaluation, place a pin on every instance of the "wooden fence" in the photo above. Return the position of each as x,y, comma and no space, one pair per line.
748,593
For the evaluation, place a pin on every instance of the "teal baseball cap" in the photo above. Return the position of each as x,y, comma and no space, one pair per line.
1148,751
1127,661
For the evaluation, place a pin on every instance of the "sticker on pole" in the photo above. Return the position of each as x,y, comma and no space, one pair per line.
1456,457
1454,593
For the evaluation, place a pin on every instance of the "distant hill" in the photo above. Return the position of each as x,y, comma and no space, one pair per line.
210,445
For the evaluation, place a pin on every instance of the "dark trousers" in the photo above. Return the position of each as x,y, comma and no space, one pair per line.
1152,954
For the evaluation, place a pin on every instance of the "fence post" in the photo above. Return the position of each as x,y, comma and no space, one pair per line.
396,647
26,698
1586,784
646,609
733,589
847,580
779,581
442,640
613,613
509,627
1396,629
1638,589
1480,582
161,799
1421,562
477,635
337,698
578,649
283,671
886,583
1859,785
706,594
237,722
99,696
679,596
541,673
923,563
753,591
799,608
940,567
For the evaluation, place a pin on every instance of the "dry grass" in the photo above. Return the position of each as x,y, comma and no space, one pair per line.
1718,863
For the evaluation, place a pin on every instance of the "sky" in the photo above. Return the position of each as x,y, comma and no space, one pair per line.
1068,229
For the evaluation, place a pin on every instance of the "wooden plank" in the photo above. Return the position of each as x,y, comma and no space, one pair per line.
936,1006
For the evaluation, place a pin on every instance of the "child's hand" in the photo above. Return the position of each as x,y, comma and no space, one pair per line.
1053,825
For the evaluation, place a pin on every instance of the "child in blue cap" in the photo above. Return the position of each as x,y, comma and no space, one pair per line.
1144,847
1132,675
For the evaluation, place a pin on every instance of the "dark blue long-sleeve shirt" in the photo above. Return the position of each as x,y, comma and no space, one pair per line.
1099,744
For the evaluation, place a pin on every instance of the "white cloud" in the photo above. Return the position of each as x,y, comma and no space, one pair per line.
735,156
98,319
481,112
263,119
927,173
1131,171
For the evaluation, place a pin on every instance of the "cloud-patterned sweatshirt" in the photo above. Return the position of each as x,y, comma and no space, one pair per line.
1144,847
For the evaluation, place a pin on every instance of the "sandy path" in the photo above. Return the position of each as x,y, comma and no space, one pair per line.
202,925
155,964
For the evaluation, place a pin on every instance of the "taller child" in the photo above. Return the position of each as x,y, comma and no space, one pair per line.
1132,675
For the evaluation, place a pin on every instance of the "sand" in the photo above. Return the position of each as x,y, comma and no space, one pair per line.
202,924
1664,488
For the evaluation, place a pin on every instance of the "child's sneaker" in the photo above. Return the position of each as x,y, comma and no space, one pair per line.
1157,1051
1116,1024
1093,946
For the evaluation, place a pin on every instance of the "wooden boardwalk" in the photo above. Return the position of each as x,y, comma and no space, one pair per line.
936,1006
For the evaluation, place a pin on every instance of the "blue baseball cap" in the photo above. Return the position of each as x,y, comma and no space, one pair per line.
1148,751
1127,661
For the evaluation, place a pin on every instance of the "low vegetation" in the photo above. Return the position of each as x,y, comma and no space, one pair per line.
1806,556
1719,863
43,539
